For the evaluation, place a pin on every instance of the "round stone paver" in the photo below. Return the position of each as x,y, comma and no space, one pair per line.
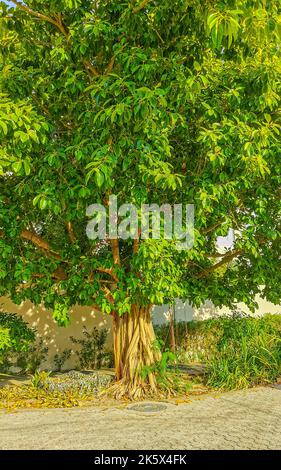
249,419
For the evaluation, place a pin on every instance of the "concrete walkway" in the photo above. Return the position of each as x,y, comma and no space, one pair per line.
237,420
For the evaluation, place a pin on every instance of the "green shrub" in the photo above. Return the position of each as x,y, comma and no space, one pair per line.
195,340
15,338
239,351
248,353
5,340
31,360
92,353
60,359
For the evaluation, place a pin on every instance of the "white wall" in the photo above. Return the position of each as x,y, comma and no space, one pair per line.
57,338
185,312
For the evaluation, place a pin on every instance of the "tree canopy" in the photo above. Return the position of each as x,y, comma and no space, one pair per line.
153,101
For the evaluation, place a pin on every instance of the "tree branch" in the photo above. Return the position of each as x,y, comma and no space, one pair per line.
136,243
110,65
58,274
43,17
91,68
108,295
226,259
59,25
45,246
211,228
141,6
115,251
71,233
108,271
39,242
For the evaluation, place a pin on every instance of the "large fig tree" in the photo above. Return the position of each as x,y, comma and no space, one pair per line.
154,101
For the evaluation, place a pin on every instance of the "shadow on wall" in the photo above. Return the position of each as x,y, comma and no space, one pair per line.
57,338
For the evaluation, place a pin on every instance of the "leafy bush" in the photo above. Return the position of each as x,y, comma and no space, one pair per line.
5,340
239,351
248,353
195,340
15,337
60,359
31,360
166,373
92,353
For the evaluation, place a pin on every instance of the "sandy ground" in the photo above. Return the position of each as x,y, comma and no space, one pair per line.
237,420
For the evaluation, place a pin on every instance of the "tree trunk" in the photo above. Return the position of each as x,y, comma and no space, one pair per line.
134,350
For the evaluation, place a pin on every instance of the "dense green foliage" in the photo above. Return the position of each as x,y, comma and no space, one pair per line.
30,361
154,101
16,337
248,353
238,351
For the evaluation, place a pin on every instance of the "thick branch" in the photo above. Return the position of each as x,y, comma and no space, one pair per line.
115,251
211,228
226,259
71,233
44,245
108,271
58,23
41,16
91,68
58,275
39,242
108,294
136,244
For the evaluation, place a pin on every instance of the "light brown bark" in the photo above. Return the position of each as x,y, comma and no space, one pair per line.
134,352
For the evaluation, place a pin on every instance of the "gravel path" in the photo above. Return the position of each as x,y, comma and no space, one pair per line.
237,420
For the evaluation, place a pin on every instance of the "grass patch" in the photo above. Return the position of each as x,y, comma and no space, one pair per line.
239,352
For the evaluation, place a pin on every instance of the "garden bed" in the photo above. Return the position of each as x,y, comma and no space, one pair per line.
235,352
71,389
57,390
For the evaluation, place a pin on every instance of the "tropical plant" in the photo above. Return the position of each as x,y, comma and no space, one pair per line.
151,101
40,379
32,359
92,354
16,337
239,351
248,353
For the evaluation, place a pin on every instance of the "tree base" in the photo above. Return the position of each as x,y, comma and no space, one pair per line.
135,355
122,390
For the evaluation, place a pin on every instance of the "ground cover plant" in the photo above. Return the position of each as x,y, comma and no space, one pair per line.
154,102
48,390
